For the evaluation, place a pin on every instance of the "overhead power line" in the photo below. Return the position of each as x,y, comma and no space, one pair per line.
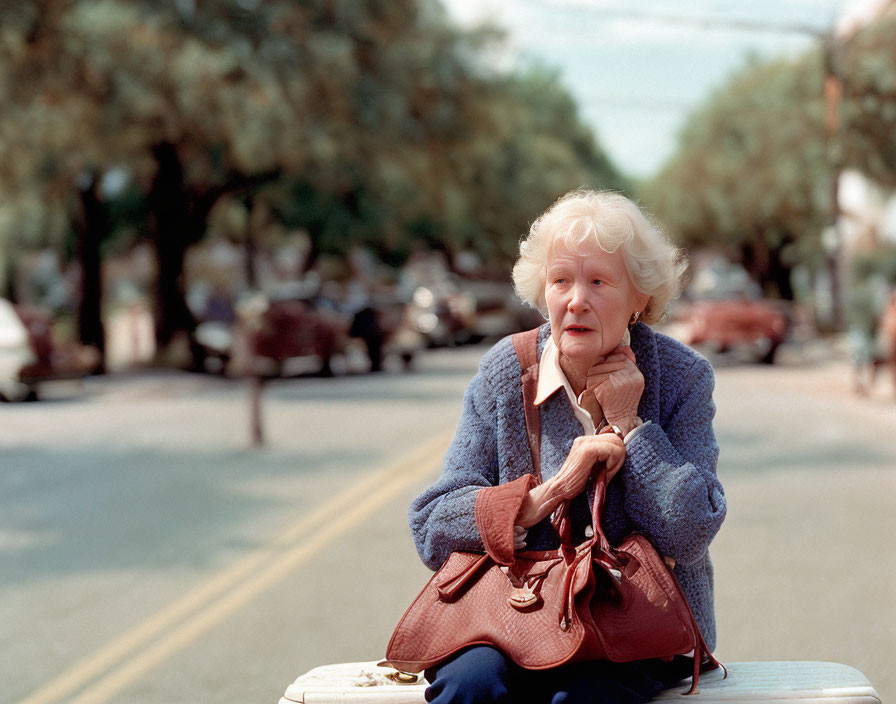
735,23
745,24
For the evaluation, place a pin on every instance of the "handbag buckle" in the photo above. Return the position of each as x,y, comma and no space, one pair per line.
523,596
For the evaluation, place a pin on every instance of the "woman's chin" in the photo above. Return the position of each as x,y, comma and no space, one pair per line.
583,352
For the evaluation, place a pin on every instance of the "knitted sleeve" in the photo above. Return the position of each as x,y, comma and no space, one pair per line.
443,518
672,493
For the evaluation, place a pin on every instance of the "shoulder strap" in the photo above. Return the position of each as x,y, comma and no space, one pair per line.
526,346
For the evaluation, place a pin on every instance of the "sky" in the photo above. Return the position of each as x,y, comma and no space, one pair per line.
638,69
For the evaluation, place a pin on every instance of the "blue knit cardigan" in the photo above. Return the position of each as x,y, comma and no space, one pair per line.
666,490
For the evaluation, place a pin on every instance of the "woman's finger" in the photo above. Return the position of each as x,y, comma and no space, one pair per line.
611,445
613,463
609,366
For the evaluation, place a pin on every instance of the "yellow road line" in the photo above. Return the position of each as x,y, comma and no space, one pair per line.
218,597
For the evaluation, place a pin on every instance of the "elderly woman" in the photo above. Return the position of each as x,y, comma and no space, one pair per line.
613,396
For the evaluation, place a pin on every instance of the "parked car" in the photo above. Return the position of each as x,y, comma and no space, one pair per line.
724,324
279,335
385,328
469,312
293,328
496,310
436,313
16,354
29,355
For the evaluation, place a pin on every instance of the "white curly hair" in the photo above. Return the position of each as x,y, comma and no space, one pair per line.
583,219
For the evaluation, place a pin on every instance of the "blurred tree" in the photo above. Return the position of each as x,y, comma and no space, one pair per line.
362,122
94,227
751,176
867,63
95,85
534,148
458,158
753,172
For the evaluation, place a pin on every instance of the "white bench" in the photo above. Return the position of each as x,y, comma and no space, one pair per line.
775,682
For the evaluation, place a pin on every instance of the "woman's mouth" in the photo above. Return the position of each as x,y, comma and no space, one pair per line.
578,329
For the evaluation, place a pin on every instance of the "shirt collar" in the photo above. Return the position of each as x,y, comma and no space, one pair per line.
551,379
550,375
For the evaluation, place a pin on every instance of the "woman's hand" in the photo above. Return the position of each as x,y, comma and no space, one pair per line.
617,384
590,454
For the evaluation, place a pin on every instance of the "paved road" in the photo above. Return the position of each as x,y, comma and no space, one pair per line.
147,556
805,567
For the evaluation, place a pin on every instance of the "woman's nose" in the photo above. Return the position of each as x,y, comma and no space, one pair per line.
578,300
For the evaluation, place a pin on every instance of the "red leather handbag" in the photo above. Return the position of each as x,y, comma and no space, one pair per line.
591,601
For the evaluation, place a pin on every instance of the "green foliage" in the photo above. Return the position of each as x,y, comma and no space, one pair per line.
752,173
754,167
361,121
868,64
880,263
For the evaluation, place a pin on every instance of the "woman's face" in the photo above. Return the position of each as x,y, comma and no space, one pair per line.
590,300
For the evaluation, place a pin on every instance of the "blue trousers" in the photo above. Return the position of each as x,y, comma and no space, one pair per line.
483,675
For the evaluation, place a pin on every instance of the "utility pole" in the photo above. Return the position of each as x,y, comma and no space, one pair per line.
833,96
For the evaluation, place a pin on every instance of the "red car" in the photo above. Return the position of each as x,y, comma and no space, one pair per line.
292,328
729,323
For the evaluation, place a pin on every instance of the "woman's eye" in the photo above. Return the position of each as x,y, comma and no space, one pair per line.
597,282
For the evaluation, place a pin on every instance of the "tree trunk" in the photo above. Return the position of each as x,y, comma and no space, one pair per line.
171,235
9,276
779,273
755,259
93,230
179,216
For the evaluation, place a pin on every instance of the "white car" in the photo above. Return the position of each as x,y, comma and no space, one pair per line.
15,354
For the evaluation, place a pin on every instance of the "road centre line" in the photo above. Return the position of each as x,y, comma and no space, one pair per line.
132,655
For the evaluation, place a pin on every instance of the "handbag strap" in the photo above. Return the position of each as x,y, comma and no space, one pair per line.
597,511
526,346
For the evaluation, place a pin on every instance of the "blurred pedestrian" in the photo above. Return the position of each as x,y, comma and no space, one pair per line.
867,300
887,336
